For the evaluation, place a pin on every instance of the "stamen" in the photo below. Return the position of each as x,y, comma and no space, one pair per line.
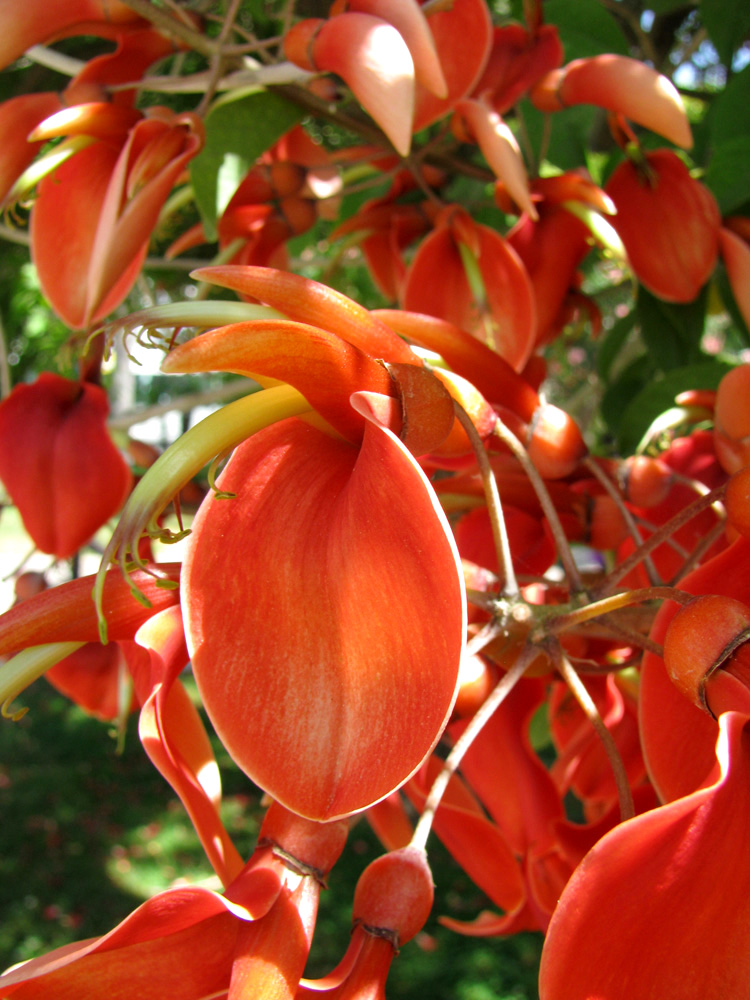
24,668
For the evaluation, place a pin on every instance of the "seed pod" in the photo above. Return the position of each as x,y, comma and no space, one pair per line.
394,894
702,638
645,481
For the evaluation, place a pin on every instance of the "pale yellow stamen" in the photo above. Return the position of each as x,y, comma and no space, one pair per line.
25,667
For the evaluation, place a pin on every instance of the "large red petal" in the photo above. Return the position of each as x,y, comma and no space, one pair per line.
660,907
324,613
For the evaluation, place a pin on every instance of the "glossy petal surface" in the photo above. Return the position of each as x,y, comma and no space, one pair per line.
324,615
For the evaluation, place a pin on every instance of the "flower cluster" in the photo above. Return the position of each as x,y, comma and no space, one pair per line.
414,571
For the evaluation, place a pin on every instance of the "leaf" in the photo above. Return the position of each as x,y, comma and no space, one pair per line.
611,344
727,173
585,27
671,331
721,283
666,6
622,390
658,395
730,112
238,131
727,23
570,130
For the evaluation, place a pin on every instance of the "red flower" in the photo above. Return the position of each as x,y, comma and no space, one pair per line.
669,224
468,274
58,462
338,570
103,202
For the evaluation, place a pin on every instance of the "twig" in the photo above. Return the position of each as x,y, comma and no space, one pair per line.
563,548
217,59
173,26
569,619
494,506
627,517
584,699
496,697
660,536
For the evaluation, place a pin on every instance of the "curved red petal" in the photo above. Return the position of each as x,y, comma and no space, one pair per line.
308,301
58,462
325,617
322,366
463,37
66,215
649,888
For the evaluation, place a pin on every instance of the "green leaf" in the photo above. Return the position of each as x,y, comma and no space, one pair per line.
612,343
238,130
570,129
671,331
727,174
730,112
665,6
586,28
658,395
742,334
727,23
621,391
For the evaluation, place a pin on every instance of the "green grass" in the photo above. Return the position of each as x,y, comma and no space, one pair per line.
87,834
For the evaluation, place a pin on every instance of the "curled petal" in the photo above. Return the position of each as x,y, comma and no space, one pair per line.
322,366
311,302
18,116
469,357
42,21
175,739
371,56
463,35
98,119
619,84
407,17
501,151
